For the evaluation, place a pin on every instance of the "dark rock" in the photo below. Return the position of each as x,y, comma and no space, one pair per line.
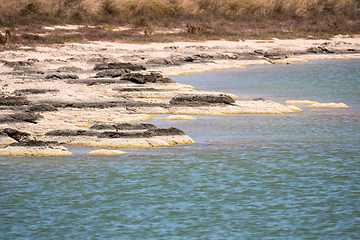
18,135
192,59
61,76
119,65
139,78
165,80
319,49
114,73
137,89
189,99
71,133
70,69
41,108
145,78
91,82
165,61
20,117
258,99
167,131
122,126
143,134
24,70
13,100
35,143
35,91
18,64
26,117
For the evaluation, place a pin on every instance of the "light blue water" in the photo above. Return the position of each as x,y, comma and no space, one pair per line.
285,176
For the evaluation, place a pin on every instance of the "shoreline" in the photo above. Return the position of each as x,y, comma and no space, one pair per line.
70,87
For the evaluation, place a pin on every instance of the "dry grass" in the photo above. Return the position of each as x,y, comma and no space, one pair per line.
211,18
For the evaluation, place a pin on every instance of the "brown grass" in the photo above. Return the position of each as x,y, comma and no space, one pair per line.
213,19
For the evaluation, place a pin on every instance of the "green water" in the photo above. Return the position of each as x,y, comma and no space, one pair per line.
285,176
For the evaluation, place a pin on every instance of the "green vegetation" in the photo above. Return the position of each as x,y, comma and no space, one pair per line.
208,19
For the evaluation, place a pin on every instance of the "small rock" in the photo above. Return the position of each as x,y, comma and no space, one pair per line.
192,99
119,65
61,76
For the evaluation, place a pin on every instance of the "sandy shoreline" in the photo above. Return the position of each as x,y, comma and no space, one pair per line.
71,86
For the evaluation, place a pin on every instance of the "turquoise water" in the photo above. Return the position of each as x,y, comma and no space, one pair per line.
285,176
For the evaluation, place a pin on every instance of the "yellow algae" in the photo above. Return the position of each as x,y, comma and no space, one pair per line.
179,117
300,102
106,152
328,105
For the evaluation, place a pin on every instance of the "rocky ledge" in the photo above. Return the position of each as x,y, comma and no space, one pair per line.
27,145
62,93
120,136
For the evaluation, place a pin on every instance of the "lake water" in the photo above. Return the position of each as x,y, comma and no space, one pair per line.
284,176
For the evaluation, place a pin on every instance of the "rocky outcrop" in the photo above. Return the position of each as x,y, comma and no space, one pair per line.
18,117
122,126
140,78
18,135
28,145
121,135
34,148
192,99
13,100
119,65
113,73
61,76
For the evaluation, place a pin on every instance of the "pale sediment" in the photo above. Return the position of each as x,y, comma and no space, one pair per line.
239,107
106,152
300,102
179,117
34,149
328,105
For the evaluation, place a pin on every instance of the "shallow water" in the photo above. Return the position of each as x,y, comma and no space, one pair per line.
285,176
